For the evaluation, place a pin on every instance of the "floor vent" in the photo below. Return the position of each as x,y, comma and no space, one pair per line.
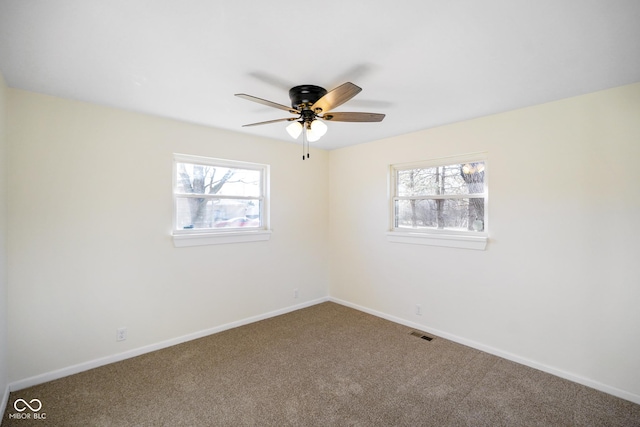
421,335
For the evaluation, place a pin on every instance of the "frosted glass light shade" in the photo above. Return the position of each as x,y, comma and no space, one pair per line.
294,129
315,130
318,127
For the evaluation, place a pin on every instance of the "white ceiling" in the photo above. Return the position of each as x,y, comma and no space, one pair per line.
423,63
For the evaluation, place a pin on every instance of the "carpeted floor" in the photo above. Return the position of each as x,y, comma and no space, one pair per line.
326,365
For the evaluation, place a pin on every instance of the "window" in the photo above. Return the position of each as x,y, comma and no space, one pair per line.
441,202
219,201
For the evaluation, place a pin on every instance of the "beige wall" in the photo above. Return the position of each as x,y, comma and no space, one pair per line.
90,208
558,286
3,247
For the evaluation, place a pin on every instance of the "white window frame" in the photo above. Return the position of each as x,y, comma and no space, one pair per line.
199,237
447,238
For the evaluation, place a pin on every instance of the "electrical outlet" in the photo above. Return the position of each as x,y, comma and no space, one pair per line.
418,309
295,293
121,334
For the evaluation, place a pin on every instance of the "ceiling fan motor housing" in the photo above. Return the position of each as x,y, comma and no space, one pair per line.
305,94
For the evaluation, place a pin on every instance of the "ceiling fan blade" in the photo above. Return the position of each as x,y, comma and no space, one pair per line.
336,97
268,103
353,117
289,119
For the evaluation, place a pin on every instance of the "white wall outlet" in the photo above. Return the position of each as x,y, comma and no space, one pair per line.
295,293
418,309
121,334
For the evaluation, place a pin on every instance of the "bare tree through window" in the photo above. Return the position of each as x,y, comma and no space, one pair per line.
210,196
441,197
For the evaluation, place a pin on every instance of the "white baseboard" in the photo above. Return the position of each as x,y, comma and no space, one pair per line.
496,352
85,366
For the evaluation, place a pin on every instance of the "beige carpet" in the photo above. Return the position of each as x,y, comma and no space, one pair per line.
326,365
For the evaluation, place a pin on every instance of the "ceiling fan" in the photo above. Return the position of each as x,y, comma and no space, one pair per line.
310,103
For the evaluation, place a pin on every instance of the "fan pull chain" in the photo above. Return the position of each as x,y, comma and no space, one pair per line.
304,139
307,130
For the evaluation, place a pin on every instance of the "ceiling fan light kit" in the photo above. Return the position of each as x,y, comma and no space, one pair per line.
312,104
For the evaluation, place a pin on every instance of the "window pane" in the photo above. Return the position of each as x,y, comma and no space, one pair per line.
449,214
418,182
198,213
203,179
465,178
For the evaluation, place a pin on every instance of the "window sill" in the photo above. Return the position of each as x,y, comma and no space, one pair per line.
478,243
201,239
